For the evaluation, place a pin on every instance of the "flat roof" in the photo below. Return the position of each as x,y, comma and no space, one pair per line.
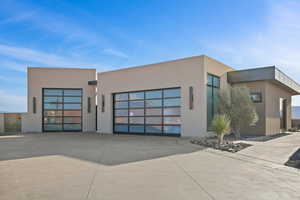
61,68
163,62
270,73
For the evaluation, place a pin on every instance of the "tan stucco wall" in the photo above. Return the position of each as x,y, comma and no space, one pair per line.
274,93
39,78
1,122
178,73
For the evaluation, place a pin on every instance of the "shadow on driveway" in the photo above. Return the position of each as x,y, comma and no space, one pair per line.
93,147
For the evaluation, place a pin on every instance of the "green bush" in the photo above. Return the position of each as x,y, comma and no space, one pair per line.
235,102
221,127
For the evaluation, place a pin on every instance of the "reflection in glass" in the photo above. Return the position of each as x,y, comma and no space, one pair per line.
153,111
172,102
52,113
121,128
72,99
72,127
172,120
153,120
172,111
121,120
53,106
62,109
172,129
136,129
136,120
72,119
53,92
172,92
72,106
52,127
122,96
72,113
136,104
136,95
153,103
121,112
161,108
72,92
153,129
156,94
136,112
53,99
52,120
121,104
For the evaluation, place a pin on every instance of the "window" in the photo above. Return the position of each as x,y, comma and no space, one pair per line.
256,97
62,109
212,90
148,112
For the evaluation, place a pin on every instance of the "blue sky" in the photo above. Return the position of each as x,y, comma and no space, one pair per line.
115,34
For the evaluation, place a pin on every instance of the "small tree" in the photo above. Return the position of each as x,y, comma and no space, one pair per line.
236,103
221,127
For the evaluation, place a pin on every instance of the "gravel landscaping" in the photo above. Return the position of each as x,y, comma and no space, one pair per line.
229,146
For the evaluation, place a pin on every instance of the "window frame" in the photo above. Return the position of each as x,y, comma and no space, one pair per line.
162,107
256,93
62,109
213,87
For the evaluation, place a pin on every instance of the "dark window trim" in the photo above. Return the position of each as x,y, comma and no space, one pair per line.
62,124
256,93
145,116
212,96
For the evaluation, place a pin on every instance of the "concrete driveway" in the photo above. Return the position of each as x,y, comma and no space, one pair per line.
92,166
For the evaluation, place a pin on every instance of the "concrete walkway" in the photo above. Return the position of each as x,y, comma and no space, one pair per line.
276,150
90,166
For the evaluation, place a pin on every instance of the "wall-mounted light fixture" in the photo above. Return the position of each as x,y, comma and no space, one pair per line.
89,104
102,103
191,98
34,105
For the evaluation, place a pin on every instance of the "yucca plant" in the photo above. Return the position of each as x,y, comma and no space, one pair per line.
221,127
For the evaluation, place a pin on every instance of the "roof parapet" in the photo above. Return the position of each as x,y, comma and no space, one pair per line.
264,74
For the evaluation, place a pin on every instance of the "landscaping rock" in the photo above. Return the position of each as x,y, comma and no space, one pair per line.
229,146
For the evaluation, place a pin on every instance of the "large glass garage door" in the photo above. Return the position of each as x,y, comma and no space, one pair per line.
62,110
148,112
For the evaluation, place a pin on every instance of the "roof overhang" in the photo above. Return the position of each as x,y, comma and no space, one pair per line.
272,74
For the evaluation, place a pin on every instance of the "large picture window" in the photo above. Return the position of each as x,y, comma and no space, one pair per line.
213,87
62,110
148,112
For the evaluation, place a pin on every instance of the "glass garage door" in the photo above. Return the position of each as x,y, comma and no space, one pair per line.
148,112
62,110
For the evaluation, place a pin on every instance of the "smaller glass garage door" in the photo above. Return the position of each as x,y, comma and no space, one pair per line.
62,110
148,112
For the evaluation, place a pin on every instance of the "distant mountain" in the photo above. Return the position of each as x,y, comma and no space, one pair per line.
296,112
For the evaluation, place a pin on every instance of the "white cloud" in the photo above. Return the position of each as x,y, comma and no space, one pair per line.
276,44
13,65
12,103
116,53
29,56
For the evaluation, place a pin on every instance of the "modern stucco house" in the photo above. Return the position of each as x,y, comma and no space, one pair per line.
175,97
